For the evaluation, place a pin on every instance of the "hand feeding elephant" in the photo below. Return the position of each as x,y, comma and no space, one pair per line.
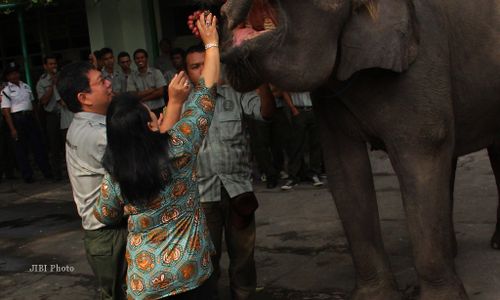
419,78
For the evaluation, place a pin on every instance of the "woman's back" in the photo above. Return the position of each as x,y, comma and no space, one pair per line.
159,262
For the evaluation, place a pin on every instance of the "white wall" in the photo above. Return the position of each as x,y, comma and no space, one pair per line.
123,25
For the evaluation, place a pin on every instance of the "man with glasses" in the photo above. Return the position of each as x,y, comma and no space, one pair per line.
88,95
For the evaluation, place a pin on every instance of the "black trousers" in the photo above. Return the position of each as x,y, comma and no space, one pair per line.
270,141
7,158
29,140
306,136
54,141
200,293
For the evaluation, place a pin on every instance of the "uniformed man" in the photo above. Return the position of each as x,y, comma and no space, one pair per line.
18,112
224,172
148,82
124,62
50,100
88,94
7,159
305,129
109,72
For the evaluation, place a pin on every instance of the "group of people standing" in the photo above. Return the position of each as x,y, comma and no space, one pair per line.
288,145
158,187
161,166
20,130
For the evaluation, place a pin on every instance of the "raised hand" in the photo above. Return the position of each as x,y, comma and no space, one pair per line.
179,88
207,27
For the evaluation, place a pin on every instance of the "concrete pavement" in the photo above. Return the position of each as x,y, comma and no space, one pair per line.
301,251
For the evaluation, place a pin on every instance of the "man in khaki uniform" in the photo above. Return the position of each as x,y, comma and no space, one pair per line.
148,82
88,94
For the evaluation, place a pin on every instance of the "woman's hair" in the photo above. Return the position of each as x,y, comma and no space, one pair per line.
135,156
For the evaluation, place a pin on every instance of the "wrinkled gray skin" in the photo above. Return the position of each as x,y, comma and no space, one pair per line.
422,82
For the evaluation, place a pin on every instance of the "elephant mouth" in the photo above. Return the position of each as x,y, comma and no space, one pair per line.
251,30
262,18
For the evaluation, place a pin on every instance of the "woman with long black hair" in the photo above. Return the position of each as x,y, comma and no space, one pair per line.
151,165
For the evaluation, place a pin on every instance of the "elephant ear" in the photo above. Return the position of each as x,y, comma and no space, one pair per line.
379,34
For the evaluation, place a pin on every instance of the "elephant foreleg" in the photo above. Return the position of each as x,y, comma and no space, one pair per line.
351,183
425,178
494,154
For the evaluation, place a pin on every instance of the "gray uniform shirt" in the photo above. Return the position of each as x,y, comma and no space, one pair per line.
151,79
114,78
85,146
164,63
224,156
123,78
42,86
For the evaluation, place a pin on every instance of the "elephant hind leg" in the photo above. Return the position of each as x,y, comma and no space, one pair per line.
425,175
494,154
351,183
454,244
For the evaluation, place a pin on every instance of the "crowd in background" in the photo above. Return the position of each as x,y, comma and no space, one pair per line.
285,148
269,131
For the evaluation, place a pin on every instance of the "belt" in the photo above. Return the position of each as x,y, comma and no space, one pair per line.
52,112
22,113
304,108
120,225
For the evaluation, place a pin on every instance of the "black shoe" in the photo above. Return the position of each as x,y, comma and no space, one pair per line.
57,178
29,180
271,183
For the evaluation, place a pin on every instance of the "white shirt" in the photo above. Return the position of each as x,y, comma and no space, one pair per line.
301,99
17,98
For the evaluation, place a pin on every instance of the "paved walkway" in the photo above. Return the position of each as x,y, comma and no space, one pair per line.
301,250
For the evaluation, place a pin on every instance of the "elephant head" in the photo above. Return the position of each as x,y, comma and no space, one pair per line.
298,45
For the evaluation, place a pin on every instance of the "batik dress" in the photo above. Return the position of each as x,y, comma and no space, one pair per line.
169,246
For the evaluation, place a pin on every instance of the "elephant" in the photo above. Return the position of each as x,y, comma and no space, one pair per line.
417,78
494,153
494,156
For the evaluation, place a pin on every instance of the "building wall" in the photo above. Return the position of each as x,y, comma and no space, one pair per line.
59,29
123,25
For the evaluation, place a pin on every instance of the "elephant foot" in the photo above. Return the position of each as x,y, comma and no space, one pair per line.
452,292
495,240
376,292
